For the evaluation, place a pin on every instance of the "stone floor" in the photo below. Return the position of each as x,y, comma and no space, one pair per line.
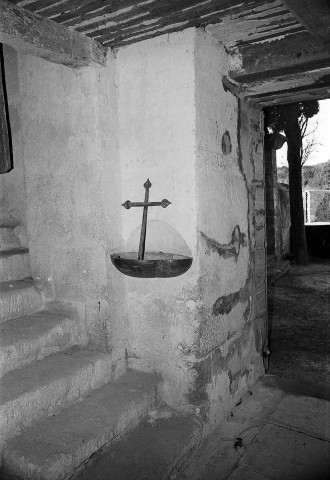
299,326
276,433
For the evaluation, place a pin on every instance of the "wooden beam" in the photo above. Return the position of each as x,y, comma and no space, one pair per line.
294,54
314,15
31,34
317,90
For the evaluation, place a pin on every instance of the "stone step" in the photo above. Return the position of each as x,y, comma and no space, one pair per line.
35,392
28,339
18,298
57,447
157,449
14,264
8,239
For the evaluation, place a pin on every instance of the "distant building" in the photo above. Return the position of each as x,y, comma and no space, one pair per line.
317,205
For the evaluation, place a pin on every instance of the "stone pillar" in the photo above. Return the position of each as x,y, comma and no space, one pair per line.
204,332
156,91
230,223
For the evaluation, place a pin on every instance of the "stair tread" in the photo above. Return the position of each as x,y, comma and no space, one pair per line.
14,251
25,340
29,327
16,285
32,378
153,450
55,447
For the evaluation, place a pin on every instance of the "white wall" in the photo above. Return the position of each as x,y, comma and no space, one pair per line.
156,85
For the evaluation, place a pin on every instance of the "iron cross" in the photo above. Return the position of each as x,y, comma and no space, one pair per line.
164,203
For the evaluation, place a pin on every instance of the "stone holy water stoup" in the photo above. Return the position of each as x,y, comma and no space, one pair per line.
149,264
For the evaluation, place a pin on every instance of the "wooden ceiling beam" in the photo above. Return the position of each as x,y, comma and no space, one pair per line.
295,54
314,15
300,94
31,34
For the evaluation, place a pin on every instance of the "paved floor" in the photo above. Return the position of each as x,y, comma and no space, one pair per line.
299,323
276,433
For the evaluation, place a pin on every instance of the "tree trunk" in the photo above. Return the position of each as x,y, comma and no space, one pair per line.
298,235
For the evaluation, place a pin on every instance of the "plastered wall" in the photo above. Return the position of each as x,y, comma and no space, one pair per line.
229,146
156,87
72,186
91,138
199,330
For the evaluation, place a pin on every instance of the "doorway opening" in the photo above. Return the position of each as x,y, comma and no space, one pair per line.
298,304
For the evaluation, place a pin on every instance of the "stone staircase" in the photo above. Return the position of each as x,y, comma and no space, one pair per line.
59,403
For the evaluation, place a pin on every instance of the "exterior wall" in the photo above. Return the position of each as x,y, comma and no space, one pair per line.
12,184
72,185
316,205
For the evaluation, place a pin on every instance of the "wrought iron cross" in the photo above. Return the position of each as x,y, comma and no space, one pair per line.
164,203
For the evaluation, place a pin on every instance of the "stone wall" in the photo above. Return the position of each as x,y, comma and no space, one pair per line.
91,139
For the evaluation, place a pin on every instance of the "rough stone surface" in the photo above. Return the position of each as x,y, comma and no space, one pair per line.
14,265
8,239
58,446
154,450
249,445
17,299
25,340
304,414
42,389
299,331
243,473
280,453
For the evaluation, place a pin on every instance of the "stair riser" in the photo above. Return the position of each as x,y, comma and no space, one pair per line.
80,431
15,267
67,465
8,239
19,303
23,353
50,399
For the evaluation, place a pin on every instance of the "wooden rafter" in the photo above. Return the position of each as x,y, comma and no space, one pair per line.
314,15
30,33
294,54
